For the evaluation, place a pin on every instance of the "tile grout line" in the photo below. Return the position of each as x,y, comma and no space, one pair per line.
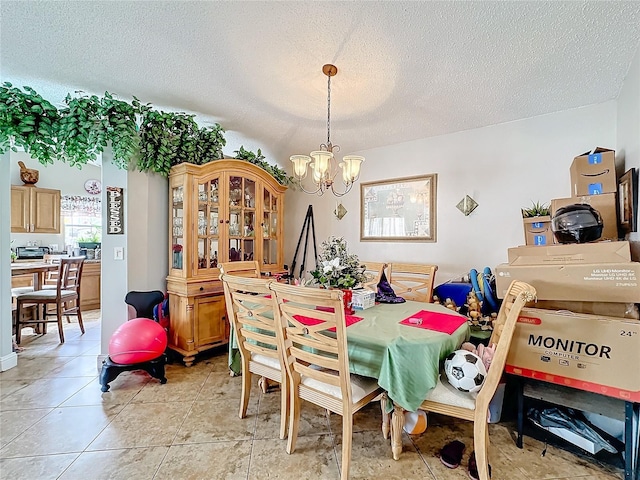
84,450
255,429
164,457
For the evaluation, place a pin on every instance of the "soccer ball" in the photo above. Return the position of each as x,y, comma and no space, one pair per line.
465,371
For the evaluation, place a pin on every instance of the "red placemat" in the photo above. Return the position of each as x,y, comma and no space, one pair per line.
349,320
436,321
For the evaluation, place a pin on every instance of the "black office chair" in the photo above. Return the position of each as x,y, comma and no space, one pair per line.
142,304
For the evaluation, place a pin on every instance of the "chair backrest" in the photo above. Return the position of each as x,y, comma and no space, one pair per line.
311,324
250,311
413,281
517,296
247,268
51,277
373,272
69,274
141,303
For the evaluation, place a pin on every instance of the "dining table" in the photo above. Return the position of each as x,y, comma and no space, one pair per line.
38,270
403,346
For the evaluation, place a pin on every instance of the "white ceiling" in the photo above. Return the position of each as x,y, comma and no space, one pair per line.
407,69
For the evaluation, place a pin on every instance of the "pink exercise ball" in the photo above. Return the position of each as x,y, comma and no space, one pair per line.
138,340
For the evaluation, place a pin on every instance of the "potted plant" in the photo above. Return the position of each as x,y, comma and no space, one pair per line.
537,210
337,268
537,224
91,240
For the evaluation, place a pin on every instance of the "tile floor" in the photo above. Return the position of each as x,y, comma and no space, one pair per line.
55,423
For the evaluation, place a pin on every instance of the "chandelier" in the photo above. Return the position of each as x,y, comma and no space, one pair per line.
322,162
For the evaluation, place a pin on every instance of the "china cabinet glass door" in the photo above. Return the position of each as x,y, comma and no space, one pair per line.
208,222
177,228
242,218
269,226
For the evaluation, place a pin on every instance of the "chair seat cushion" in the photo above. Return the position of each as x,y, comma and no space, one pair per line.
20,291
264,360
46,295
360,387
445,393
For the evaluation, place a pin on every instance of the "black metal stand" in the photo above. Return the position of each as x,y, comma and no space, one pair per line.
111,370
631,429
307,225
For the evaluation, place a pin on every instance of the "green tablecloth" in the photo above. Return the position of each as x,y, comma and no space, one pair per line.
405,359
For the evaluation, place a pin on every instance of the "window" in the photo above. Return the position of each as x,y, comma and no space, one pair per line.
82,219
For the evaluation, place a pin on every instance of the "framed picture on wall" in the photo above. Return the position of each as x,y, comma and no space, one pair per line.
628,201
402,209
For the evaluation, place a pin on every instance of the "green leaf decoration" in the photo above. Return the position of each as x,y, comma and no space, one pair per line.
140,137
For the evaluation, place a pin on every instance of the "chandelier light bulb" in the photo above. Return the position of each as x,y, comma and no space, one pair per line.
300,163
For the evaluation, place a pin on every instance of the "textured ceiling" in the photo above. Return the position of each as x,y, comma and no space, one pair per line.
407,69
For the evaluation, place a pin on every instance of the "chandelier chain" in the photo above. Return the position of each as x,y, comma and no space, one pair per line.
329,111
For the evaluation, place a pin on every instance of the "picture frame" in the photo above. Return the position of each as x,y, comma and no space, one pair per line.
400,209
628,201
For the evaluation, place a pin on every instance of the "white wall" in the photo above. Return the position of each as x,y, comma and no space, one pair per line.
8,359
628,145
60,176
503,167
148,240
114,281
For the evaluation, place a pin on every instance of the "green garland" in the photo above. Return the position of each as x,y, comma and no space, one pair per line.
258,159
140,137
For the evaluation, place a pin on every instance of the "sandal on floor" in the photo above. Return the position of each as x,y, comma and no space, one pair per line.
473,467
451,454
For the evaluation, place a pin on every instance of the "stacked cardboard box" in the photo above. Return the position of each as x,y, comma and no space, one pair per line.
589,352
593,181
587,272
588,295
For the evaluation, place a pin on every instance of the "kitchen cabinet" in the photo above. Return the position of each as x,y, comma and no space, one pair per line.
90,285
34,210
225,210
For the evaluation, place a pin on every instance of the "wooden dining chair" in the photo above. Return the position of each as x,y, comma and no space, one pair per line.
247,268
250,310
446,400
373,272
413,281
51,277
66,297
313,339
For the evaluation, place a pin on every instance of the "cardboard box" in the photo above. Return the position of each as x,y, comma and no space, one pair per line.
363,299
594,173
588,352
605,204
608,309
596,252
537,231
588,282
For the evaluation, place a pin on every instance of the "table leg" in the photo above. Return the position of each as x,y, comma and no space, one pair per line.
39,328
397,424
631,440
385,416
520,420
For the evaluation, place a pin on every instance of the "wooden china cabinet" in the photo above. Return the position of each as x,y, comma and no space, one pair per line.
225,210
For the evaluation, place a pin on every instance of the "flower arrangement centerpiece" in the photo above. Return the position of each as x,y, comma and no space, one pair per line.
337,268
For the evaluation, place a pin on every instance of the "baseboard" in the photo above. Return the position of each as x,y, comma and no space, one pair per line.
101,358
8,361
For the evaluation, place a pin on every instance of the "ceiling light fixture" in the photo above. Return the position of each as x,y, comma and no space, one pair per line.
323,166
